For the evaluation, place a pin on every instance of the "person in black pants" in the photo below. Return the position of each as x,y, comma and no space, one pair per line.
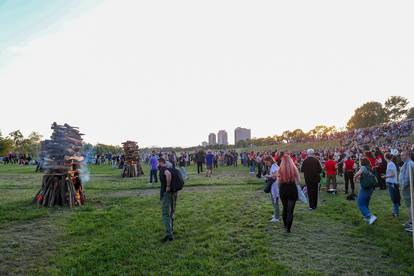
200,156
349,169
259,162
312,169
288,177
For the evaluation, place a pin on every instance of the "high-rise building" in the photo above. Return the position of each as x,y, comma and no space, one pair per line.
222,138
212,139
204,144
241,134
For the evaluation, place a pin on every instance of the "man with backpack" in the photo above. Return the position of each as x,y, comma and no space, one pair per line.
171,182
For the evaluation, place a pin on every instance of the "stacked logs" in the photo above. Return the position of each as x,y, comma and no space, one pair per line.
62,160
132,166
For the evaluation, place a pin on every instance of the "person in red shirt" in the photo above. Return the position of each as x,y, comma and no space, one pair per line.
349,172
371,158
330,168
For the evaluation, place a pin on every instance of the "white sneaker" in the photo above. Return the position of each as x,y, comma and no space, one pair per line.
372,219
274,220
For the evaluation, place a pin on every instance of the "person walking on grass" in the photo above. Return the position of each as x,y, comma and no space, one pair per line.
274,190
168,200
153,162
391,181
252,162
182,163
288,177
405,186
331,167
312,169
209,163
366,175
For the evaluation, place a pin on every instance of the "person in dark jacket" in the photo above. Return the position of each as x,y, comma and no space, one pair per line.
312,169
200,158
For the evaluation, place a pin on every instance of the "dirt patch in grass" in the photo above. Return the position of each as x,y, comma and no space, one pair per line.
26,247
156,191
327,246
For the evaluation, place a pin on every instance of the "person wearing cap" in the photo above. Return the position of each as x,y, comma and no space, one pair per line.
312,169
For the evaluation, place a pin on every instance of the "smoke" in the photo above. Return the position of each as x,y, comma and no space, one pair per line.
84,173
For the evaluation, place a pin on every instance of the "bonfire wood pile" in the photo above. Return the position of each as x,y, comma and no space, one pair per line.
62,159
132,165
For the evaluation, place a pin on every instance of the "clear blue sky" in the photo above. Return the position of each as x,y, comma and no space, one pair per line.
22,20
168,73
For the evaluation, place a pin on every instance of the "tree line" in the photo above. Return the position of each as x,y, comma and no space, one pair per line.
394,109
15,142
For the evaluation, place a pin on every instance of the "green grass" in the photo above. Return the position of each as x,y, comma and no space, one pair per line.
221,223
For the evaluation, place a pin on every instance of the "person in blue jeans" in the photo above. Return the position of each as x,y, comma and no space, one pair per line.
391,180
209,163
153,162
364,195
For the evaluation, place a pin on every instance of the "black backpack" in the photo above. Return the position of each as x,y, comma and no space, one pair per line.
177,180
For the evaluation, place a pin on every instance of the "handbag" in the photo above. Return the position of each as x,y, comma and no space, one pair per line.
268,186
301,195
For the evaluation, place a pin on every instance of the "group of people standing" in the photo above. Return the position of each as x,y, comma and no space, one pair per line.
282,172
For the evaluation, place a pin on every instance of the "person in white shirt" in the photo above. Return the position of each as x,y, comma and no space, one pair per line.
391,178
274,192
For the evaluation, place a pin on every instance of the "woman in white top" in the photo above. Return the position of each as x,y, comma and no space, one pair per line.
274,192
392,183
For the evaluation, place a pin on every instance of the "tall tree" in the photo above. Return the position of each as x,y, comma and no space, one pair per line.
6,145
298,135
396,107
321,130
410,113
367,115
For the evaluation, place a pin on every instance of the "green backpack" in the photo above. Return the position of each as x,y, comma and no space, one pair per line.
368,180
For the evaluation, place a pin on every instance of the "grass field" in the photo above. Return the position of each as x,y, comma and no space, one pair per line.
222,228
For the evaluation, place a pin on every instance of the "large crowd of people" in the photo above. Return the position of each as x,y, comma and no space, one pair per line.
376,169
378,157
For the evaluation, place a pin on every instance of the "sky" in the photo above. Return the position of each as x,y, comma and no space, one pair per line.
167,73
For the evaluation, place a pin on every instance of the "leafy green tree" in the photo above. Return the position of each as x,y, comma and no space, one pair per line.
31,145
396,107
6,145
298,135
287,136
104,149
367,115
410,113
321,131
